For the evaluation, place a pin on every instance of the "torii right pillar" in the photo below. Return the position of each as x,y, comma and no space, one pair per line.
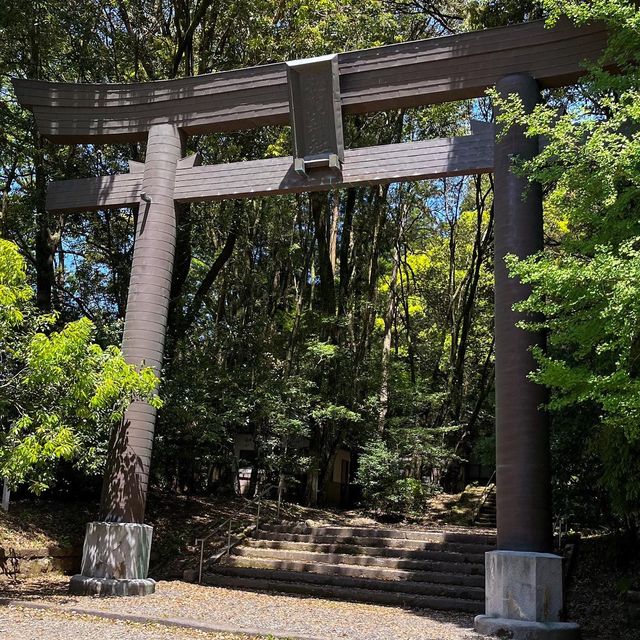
524,593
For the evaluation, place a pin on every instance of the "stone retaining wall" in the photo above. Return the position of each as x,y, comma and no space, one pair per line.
21,563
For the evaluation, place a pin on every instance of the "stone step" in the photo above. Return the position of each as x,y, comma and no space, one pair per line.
351,571
376,532
427,550
444,566
447,573
269,548
359,541
290,582
419,550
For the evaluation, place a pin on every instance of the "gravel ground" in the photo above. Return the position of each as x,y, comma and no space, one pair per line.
273,613
17,623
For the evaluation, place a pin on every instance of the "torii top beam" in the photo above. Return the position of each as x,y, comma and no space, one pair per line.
395,76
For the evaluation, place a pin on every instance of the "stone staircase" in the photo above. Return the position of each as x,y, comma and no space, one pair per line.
487,515
402,567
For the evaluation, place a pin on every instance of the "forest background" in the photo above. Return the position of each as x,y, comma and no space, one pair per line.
362,318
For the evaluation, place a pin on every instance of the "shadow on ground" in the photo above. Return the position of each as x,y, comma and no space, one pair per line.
47,588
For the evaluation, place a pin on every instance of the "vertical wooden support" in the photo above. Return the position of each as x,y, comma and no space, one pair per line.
522,436
126,478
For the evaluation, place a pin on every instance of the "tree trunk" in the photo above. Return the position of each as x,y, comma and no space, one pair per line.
318,203
47,233
389,317
389,324
345,251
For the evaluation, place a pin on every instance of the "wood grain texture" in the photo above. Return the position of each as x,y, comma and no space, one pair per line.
403,75
369,165
126,479
90,194
522,428
275,176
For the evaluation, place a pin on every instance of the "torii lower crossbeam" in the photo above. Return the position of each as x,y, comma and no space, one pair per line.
427,159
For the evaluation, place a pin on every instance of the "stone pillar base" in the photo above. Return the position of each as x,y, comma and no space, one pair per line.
85,586
525,629
523,597
115,560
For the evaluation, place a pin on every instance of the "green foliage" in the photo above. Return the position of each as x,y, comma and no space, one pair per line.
321,351
60,393
385,487
486,450
286,344
378,471
280,412
588,290
498,13
14,290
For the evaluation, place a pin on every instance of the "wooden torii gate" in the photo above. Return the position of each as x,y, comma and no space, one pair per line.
524,582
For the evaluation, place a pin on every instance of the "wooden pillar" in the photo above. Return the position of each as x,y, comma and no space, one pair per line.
127,474
522,435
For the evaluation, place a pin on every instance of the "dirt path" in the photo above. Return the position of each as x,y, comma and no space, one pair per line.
17,623
268,612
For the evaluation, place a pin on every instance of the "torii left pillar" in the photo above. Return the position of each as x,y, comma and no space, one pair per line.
115,558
